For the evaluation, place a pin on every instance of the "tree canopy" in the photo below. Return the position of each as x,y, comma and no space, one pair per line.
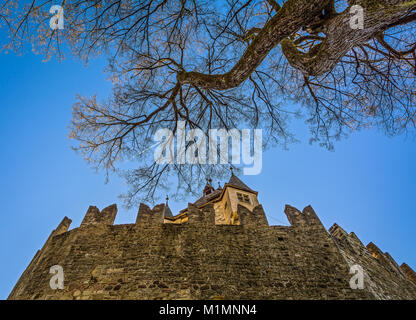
225,64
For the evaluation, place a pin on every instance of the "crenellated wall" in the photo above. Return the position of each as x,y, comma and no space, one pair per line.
383,277
410,274
94,216
203,260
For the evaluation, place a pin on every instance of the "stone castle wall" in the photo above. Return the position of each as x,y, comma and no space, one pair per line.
202,260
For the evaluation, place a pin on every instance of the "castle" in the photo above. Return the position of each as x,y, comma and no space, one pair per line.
219,247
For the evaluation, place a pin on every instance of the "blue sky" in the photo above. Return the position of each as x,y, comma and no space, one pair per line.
366,185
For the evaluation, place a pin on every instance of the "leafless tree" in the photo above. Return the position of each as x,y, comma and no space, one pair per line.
226,64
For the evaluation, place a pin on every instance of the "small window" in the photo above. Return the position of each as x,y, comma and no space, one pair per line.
240,197
246,198
243,197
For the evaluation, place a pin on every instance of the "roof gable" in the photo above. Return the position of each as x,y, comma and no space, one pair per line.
236,182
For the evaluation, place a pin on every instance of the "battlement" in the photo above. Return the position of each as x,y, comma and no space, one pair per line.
150,216
347,240
384,258
193,216
381,267
105,217
411,275
62,227
219,246
307,219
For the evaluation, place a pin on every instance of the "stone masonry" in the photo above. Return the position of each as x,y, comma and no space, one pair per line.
201,260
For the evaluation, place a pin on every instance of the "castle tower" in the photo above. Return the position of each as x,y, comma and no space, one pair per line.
225,200
236,193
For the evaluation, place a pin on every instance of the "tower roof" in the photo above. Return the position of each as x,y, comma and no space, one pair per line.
166,211
208,197
236,182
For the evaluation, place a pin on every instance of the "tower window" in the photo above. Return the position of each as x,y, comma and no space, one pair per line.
243,197
246,198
